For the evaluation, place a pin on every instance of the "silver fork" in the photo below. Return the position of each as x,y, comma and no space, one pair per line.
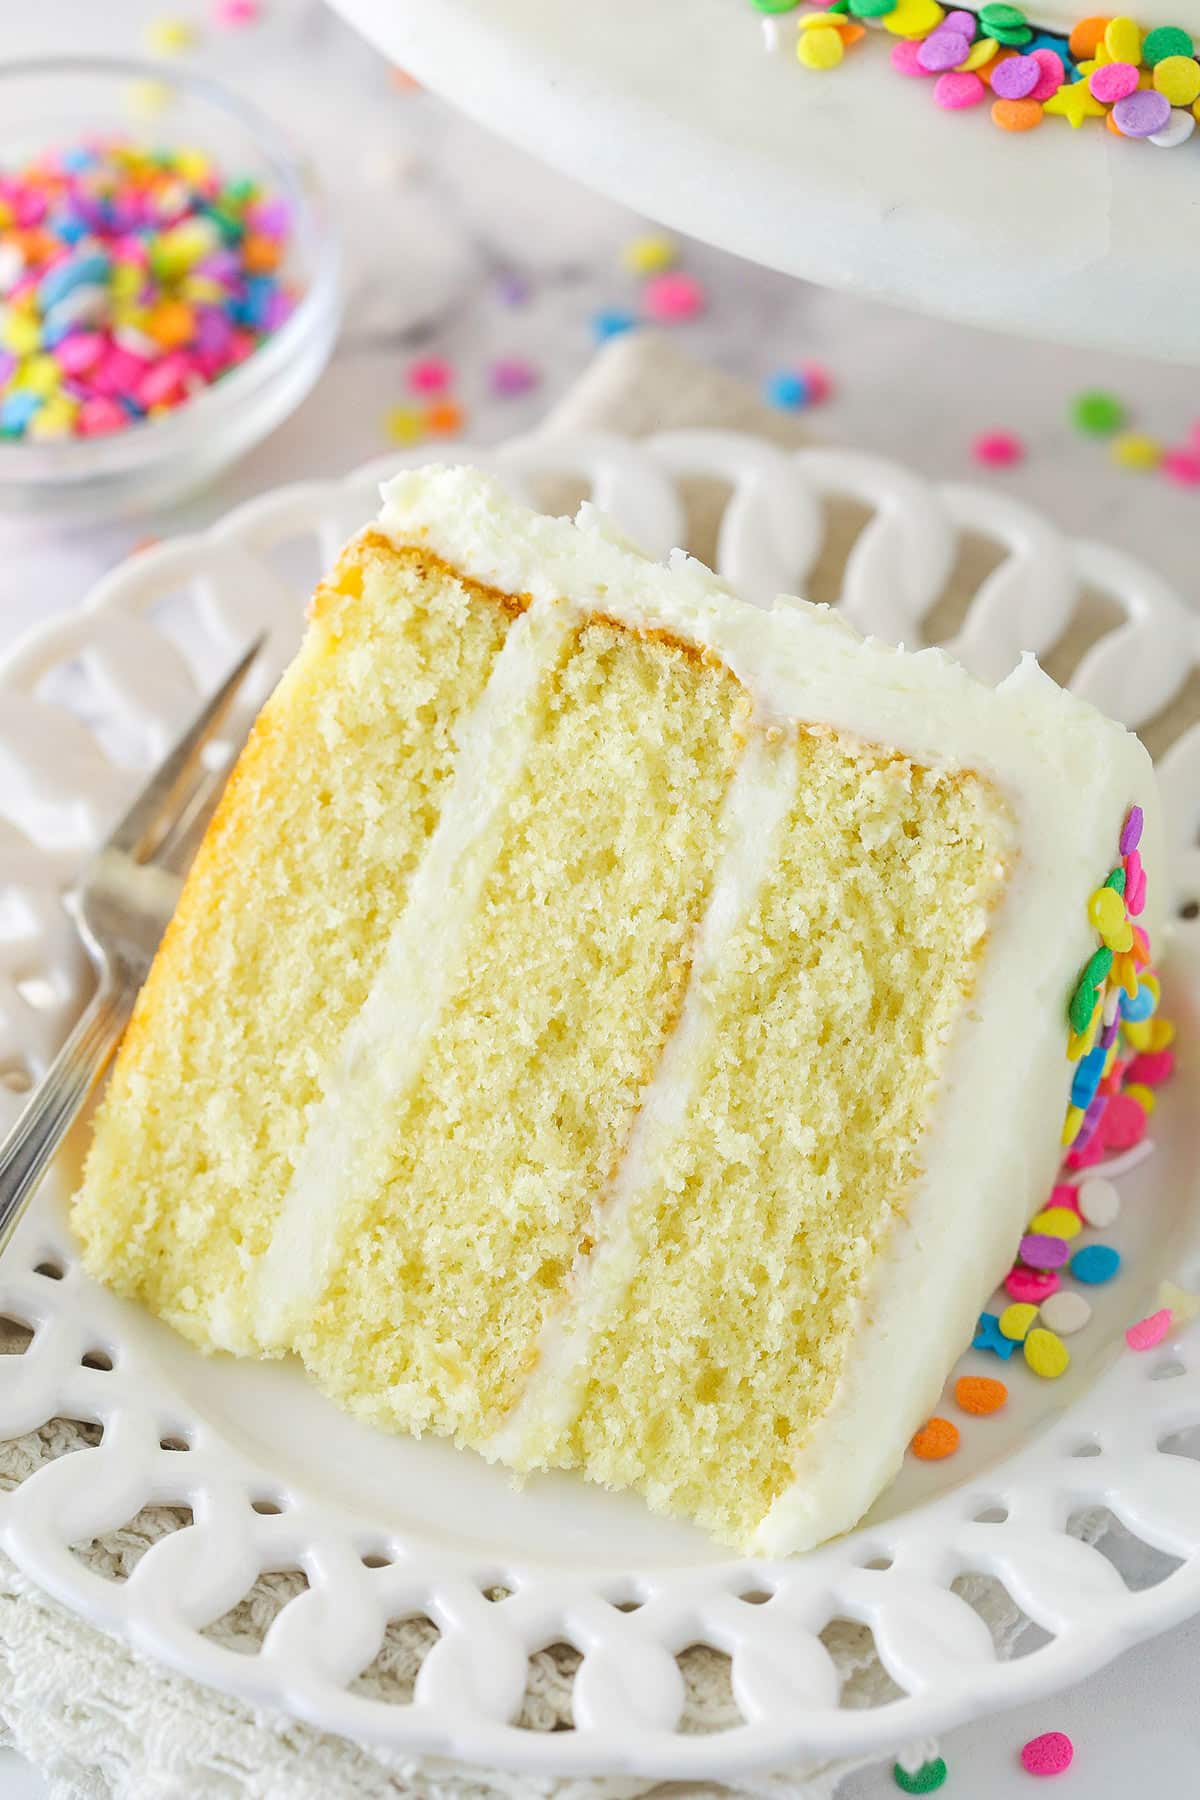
124,902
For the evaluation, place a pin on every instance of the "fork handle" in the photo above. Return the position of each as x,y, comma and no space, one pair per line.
56,1101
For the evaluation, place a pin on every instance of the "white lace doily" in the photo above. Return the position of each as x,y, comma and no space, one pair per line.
227,1525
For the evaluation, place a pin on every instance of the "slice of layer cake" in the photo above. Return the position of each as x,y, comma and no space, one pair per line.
617,1026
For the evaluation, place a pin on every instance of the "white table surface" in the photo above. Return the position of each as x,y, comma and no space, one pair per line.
432,209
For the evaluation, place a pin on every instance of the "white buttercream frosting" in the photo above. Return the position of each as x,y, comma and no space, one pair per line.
1068,775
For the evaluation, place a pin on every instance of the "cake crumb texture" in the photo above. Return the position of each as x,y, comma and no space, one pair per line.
271,953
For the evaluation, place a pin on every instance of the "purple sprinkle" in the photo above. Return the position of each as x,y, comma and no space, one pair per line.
1131,831
1139,115
1043,1252
1108,1036
959,21
511,376
8,363
943,50
1016,77
512,290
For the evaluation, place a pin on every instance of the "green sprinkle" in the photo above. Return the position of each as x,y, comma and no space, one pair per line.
871,9
1083,1005
1013,37
999,13
1116,881
1099,964
924,1780
1168,40
1097,413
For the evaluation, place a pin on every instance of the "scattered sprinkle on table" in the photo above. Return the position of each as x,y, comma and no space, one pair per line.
404,425
650,254
1150,1331
511,375
1031,1286
1097,413
1099,1202
1049,1754
937,1438
673,296
1046,1353
980,1394
231,15
1056,1222
1182,466
130,278
1135,450
1016,1321
998,449
925,1780
170,36
430,375
1042,1252
611,322
444,418
988,1336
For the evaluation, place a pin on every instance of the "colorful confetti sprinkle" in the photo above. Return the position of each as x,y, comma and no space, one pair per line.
998,449
1046,1353
1065,1314
936,1439
1150,1331
512,375
1049,1754
610,323
650,254
1097,413
925,1780
980,1394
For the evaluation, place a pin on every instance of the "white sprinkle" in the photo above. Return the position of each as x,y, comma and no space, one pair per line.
1065,1313
1099,1202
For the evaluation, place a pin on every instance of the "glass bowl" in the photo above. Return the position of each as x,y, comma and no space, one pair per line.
50,102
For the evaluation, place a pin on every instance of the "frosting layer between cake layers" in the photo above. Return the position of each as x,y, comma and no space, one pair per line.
1065,779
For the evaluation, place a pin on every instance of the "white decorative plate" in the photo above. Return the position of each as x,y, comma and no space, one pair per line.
385,1529
854,179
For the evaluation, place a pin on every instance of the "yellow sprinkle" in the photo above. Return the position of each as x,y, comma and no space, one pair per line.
145,98
1124,973
979,55
40,375
1137,1033
1071,1124
1133,450
404,425
1152,983
1123,41
1046,1354
650,255
822,49
169,37
1109,1059
913,18
1162,1033
1142,1094
1184,1306
1056,1221
192,165
1016,1320
20,333
1106,911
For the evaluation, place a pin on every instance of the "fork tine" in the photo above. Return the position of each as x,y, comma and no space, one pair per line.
161,797
182,839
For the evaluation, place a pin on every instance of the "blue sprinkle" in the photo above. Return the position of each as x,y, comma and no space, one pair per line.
92,268
988,1336
1097,1264
611,324
16,410
78,158
1141,1006
1088,1076
68,226
789,390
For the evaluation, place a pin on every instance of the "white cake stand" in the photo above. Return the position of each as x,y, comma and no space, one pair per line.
852,179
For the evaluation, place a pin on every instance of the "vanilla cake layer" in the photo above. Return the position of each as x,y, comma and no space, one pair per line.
665,1090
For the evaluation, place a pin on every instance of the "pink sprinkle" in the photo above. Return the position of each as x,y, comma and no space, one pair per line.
1182,466
998,449
818,381
98,416
230,14
1031,1286
513,375
906,57
1153,1067
958,89
430,376
165,381
1123,1124
1049,1754
1135,884
1150,1331
1065,1193
1093,1152
78,352
1112,81
674,295
1053,74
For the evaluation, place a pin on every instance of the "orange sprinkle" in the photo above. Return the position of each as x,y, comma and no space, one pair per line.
980,1394
171,323
260,254
1111,122
1017,115
936,1438
444,416
1087,36
849,32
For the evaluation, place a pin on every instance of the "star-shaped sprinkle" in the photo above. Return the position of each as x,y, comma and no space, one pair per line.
1075,103
988,1336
